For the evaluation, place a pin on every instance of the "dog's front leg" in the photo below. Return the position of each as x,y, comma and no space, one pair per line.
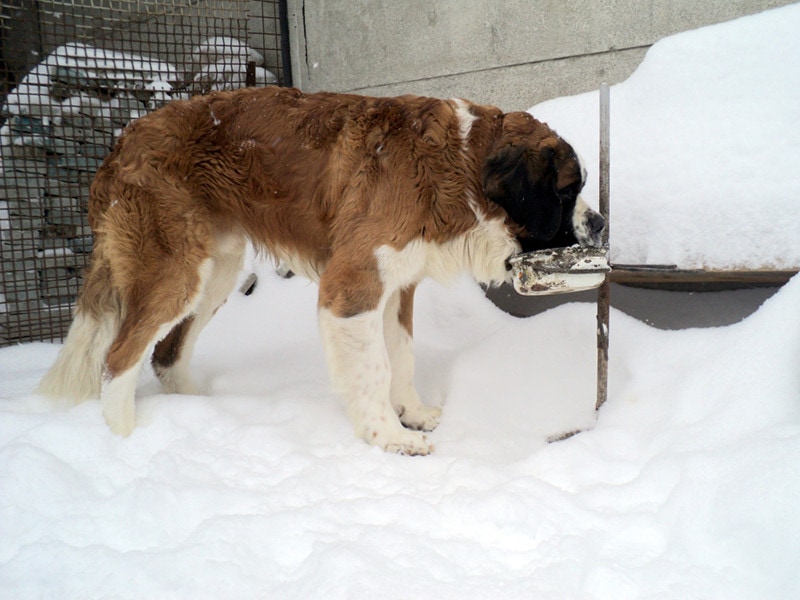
397,332
359,367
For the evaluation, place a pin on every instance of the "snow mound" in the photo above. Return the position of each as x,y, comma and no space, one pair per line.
685,486
705,152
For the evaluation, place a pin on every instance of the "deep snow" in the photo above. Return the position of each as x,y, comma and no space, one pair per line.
705,147
686,486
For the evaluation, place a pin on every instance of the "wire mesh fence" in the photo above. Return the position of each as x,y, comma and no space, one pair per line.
73,75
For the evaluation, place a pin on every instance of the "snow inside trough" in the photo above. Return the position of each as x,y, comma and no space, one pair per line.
686,487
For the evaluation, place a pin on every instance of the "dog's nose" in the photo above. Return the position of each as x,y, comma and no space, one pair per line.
596,223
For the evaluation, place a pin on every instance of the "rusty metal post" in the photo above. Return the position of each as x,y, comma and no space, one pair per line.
250,74
604,292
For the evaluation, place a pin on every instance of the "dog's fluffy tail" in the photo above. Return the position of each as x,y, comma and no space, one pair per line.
77,373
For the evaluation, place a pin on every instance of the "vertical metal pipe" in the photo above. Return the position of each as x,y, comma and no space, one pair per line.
250,74
604,293
286,60
603,304
605,156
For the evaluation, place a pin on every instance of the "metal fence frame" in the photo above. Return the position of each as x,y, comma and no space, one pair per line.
73,75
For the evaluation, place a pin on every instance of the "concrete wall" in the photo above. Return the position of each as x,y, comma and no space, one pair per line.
511,53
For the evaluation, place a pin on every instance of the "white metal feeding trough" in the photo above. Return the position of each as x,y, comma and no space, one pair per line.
577,268
559,270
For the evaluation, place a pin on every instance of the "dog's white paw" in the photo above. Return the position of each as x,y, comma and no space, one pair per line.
117,401
421,417
392,437
176,381
121,419
411,443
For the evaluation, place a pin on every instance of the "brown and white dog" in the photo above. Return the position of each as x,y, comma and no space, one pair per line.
366,195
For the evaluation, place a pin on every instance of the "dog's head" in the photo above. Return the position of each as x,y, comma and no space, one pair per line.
536,177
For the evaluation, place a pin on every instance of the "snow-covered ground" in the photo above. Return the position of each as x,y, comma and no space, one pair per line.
686,486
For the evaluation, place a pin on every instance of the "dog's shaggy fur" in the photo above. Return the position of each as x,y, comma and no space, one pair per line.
366,195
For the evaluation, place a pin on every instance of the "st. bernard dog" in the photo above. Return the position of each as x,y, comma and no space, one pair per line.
367,196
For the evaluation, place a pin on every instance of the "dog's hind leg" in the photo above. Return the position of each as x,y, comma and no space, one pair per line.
398,331
173,354
153,309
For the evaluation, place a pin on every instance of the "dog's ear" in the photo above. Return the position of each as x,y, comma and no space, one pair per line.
522,180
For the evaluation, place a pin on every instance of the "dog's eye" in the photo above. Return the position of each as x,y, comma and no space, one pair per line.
568,193
571,191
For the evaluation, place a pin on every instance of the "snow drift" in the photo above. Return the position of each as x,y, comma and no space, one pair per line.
705,151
